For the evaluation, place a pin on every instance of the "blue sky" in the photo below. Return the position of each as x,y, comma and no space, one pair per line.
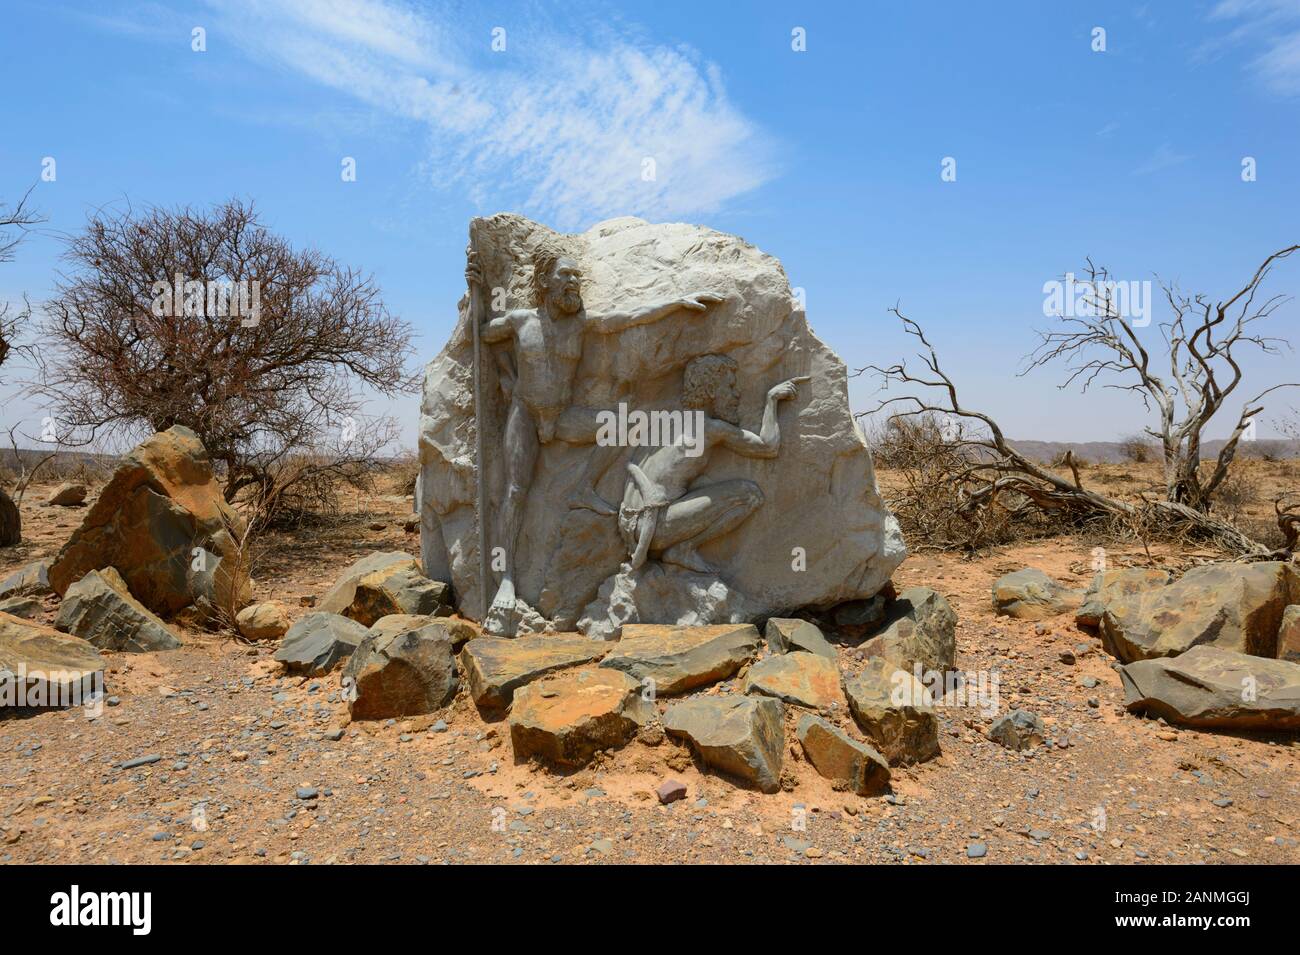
828,158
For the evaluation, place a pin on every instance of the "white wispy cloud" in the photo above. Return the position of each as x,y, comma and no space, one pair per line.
557,126
1272,29
1165,157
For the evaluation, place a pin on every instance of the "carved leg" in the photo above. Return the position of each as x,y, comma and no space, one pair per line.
521,448
703,515
579,426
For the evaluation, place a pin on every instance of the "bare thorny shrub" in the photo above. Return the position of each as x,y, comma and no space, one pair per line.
276,399
987,478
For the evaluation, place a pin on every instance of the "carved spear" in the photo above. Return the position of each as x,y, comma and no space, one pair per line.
476,312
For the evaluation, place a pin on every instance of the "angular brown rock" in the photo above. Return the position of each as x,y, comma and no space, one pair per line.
804,679
840,758
386,583
740,736
895,712
495,667
678,659
162,522
566,718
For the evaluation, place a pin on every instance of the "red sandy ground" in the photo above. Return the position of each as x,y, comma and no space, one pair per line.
237,738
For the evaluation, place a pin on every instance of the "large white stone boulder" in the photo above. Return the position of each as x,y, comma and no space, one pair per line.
820,534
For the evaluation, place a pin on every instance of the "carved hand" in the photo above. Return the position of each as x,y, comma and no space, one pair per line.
473,273
786,389
699,301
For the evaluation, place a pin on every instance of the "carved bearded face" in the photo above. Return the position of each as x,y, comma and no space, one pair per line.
726,397
564,288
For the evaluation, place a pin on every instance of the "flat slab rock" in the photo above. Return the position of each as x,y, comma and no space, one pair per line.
564,719
894,712
33,580
740,736
840,758
317,642
679,659
100,609
1029,594
1232,606
58,669
495,667
385,583
1110,585
803,679
1213,687
402,672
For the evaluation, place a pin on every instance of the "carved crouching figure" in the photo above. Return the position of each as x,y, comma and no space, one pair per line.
659,517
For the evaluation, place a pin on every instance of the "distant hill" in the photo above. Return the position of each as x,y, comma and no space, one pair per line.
1108,452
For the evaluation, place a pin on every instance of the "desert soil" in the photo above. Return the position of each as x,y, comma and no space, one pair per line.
247,771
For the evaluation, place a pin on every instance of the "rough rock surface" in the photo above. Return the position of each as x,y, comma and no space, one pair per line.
67,494
921,631
495,667
59,669
29,608
1030,594
263,621
30,581
1288,635
564,719
1214,687
318,641
786,635
678,659
385,583
1017,730
804,679
100,609
838,757
895,712
740,736
459,631
1233,606
402,673
162,522
819,493
1110,585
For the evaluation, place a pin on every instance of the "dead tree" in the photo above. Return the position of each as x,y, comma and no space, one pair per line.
1192,378
15,221
995,474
